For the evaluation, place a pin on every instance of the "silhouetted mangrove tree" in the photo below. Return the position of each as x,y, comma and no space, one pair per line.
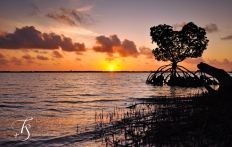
175,46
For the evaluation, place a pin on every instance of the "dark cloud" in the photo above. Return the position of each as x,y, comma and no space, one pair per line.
146,51
42,57
57,54
61,17
107,44
15,60
69,46
229,37
128,48
193,60
80,17
34,10
112,44
30,38
27,57
70,16
211,28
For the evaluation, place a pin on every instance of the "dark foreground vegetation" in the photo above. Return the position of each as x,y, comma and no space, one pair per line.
200,120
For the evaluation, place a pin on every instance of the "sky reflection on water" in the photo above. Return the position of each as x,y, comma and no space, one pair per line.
58,102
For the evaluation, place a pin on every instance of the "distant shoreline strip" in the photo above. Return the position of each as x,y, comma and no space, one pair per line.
75,71
81,71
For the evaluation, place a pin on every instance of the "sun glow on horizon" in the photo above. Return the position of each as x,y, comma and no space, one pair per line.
111,68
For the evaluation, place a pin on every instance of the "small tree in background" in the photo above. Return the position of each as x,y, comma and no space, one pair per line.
175,46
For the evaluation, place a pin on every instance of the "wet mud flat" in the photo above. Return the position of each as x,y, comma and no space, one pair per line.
199,120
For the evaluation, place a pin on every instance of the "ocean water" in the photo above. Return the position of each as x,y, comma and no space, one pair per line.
57,109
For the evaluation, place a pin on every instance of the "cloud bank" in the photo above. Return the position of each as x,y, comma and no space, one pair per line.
112,44
29,38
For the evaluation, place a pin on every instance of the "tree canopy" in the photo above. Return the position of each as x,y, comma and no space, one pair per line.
175,46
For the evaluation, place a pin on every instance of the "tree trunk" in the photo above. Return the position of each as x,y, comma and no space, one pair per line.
224,79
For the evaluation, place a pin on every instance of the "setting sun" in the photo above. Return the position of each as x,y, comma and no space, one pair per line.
111,68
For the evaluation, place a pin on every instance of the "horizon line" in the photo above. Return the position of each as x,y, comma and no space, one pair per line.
79,71
9,71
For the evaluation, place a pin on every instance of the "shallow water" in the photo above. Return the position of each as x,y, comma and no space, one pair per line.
59,102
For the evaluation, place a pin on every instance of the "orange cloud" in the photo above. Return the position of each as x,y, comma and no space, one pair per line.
3,61
2,33
16,61
30,38
27,57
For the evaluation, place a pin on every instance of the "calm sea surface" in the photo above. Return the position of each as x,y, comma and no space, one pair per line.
44,109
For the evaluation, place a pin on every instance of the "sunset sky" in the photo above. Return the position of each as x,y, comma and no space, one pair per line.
102,35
